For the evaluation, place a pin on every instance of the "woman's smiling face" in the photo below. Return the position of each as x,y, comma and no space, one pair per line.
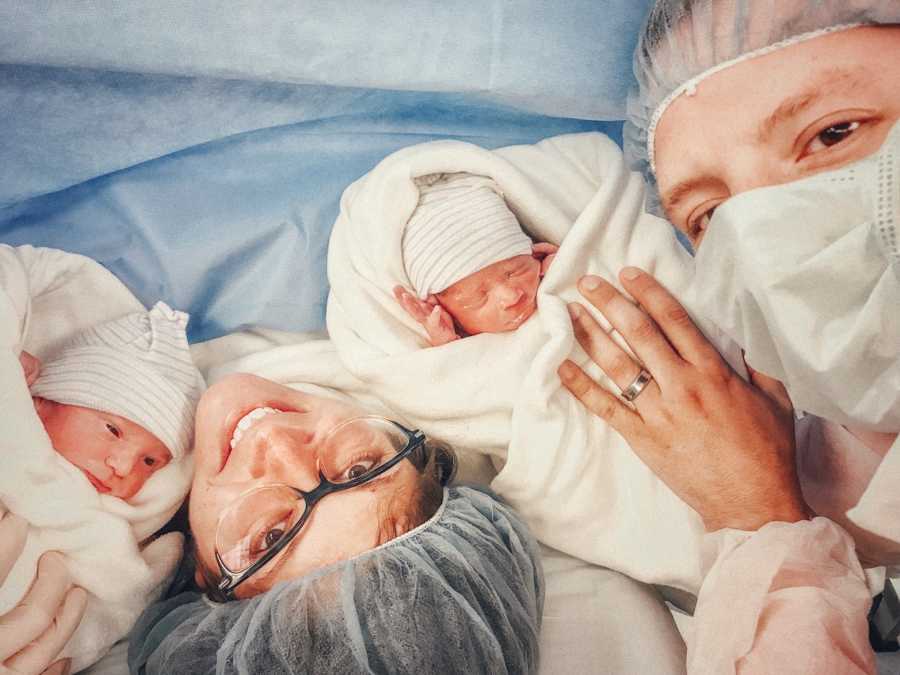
810,107
281,448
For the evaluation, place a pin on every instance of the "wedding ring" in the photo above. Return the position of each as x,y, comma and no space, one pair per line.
633,390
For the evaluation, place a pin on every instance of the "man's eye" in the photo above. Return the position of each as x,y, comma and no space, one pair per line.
697,226
832,135
113,430
149,461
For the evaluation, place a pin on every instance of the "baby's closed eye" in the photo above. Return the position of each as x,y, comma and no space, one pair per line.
473,300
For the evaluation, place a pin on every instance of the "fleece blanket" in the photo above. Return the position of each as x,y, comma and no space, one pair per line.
45,296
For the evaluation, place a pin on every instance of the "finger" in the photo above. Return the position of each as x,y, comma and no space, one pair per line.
434,322
447,321
31,617
61,667
638,329
670,316
439,326
31,365
411,304
546,262
544,248
603,350
771,388
42,651
599,401
13,533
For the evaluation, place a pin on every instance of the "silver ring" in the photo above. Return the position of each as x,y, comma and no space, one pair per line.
633,390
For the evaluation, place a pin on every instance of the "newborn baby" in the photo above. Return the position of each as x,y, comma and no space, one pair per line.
96,456
472,267
118,401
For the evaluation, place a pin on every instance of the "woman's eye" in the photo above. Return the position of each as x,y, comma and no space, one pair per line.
266,534
149,461
832,135
266,539
359,469
113,430
272,537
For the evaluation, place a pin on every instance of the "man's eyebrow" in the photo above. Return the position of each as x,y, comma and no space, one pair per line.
848,78
673,197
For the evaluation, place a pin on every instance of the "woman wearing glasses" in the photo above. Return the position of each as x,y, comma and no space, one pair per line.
325,541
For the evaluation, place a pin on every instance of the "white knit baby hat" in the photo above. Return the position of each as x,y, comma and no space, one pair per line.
138,366
460,226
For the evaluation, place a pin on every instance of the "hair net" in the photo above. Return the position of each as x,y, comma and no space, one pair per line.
462,593
685,41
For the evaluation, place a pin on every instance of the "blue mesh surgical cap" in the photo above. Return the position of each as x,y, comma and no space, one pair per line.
686,41
462,593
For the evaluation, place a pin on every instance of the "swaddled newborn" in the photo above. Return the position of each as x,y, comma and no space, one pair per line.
472,267
118,401
96,455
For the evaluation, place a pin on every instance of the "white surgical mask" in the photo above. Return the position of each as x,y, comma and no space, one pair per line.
805,277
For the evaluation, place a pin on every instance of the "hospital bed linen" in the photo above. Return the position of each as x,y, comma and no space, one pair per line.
45,297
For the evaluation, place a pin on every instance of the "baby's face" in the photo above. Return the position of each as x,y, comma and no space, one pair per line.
116,455
497,299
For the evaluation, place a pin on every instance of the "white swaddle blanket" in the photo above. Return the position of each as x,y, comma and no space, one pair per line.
46,296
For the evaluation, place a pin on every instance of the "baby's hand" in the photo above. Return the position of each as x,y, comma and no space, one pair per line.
439,326
31,365
435,319
545,252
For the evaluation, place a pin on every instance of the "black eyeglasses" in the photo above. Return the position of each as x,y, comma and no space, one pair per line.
260,523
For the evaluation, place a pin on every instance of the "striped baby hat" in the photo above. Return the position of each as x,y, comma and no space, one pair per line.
460,226
138,366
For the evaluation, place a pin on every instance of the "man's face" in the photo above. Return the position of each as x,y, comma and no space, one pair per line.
811,107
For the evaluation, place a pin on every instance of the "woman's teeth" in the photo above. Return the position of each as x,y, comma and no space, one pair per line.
248,421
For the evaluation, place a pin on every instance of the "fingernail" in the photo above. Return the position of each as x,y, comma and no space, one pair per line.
631,273
566,370
574,310
590,282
